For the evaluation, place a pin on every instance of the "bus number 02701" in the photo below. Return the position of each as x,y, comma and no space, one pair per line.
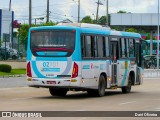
50,64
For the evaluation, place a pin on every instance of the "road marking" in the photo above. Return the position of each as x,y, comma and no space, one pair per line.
127,103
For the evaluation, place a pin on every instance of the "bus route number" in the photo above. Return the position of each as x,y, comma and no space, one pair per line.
50,64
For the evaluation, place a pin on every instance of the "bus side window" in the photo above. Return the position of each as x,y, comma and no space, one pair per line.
83,46
100,46
137,53
123,48
93,46
86,46
131,46
106,47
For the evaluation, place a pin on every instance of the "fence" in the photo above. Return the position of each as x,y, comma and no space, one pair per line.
152,73
12,51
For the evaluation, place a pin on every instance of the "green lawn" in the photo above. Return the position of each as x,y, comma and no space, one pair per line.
14,72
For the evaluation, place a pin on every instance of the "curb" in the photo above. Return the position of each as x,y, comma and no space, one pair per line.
8,76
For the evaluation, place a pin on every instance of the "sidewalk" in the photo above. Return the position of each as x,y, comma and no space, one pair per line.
151,73
15,64
13,82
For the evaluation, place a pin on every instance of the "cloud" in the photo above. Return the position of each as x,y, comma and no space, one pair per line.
63,9
133,6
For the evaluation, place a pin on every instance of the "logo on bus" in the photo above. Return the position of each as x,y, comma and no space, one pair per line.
86,66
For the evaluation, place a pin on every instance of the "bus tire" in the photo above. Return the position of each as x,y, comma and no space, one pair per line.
101,87
58,92
127,89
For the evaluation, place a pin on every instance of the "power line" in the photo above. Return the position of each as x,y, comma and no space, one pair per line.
42,6
99,3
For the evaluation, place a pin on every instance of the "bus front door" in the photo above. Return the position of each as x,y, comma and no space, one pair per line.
115,56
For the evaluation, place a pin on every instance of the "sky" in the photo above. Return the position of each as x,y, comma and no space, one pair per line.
68,9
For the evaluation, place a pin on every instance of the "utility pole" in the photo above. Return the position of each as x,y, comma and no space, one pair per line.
107,17
47,11
10,5
40,18
30,13
98,3
158,40
78,11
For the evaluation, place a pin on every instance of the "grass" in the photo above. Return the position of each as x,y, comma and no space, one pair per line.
14,72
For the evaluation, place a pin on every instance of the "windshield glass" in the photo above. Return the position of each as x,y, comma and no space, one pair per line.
55,40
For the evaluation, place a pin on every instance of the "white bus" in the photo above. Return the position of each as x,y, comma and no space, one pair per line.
84,57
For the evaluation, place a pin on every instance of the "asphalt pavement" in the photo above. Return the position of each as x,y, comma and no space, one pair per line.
16,96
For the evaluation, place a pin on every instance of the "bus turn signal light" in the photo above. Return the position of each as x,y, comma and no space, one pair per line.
29,74
75,70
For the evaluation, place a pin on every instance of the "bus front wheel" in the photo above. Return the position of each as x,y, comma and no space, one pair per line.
127,89
58,92
101,87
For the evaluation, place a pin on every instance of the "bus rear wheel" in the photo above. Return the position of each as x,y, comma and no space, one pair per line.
127,89
58,91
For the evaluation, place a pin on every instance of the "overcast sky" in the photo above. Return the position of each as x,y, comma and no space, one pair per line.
63,9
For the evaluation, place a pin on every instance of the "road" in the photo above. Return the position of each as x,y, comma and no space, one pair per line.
142,98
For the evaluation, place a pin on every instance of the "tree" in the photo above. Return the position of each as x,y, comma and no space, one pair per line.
16,24
23,34
121,11
132,30
87,19
1,41
102,20
51,23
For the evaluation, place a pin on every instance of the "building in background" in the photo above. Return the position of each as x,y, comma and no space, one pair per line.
141,21
6,28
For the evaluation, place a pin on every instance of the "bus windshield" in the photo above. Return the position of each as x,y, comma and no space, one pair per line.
52,41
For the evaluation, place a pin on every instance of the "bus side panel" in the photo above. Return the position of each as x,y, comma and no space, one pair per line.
108,72
88,75
91,71
122,73
139,76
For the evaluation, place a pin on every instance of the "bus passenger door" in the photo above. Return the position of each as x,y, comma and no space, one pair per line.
138,58
114,55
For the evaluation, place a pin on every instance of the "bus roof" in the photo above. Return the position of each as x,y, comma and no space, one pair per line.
85,25
91,28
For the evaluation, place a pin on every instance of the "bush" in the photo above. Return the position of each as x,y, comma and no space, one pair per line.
5,68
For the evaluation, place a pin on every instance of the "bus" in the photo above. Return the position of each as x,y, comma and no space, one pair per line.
154,49
83,57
